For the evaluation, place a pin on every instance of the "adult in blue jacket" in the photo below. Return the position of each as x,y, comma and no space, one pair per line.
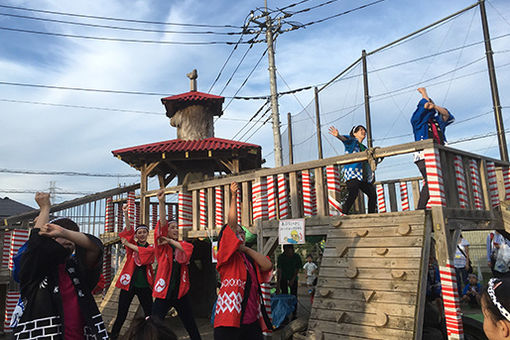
429,121
357,176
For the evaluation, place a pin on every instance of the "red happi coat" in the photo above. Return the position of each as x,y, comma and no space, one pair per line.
144,257
165,256
233,275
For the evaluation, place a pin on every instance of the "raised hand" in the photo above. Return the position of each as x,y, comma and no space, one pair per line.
234,187
125,208
43,199
52,230
161,194
333,131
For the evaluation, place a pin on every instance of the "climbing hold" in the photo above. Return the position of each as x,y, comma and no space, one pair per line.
361,233
351,272
398,274
337,223
381,251
324,292
341,317
381,319
404,230
368,295
341,250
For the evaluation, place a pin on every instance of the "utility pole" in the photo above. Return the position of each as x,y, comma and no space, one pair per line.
503,151
367,99
274,91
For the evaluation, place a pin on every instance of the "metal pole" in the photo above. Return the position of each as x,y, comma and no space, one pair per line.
291,147
503,151
368,121
274,92
318,122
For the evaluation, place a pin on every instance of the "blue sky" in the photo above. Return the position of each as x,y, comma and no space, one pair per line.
53,138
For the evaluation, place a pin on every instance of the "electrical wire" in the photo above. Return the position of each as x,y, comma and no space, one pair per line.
225,64
142,41
114,27
64,173
116,19
251,119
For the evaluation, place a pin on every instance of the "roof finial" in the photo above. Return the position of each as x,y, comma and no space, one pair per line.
193,75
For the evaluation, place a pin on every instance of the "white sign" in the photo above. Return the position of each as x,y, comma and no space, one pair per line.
214,251
291,231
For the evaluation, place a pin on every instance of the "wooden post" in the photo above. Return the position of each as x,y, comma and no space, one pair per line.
210,208
144,201
484,181
195,209
415,186
245,211
291,146
318,122
320,192
295,202
393,197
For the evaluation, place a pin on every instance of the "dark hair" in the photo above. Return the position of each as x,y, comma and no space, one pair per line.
288,246
309,256
502,295
66,223
149,328
356,128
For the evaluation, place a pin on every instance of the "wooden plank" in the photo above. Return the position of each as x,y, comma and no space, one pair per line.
422,283
211,212
501,183
449,179
370,273
484,179
357,330
415,186
364,262
376,242
395,309
373,252
380,296
245,204
393,197
365,319
226,202
377,231
295,201
469,184
320,193
144,201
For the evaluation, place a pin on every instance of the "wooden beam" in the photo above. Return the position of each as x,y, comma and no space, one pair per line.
320,193
295,201
245,204
393,197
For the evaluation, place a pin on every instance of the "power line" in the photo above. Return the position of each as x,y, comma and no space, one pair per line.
142,41
251,119
117,19
225,63
32,191
115,27
64,173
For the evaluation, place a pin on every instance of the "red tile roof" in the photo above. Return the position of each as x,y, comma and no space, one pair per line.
193,96
179,145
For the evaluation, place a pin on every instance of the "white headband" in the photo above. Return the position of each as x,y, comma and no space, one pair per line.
492,295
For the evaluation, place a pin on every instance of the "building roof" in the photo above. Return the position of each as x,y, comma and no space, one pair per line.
9,207
177,102
179,145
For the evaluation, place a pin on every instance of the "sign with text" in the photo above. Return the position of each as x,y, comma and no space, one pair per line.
291,231
214,251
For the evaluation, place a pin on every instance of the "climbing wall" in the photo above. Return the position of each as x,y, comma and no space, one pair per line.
372,278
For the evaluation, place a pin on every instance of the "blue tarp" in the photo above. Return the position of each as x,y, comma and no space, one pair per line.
282,305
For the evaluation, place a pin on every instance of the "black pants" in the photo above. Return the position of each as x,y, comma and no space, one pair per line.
424,193
125,297
183,307
354,186
284,287
245,332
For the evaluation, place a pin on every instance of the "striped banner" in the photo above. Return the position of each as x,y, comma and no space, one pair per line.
219,207
18,238
461,182
137,213
259,197
120,217
476,184
271,198
6,249
131,205
453,315
381,201
107,268
154,214
265,289
506,180
434,178
333,184
108,223
404,199
308,205
283,200
238,206
203,209
493,184
10,303
185,211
